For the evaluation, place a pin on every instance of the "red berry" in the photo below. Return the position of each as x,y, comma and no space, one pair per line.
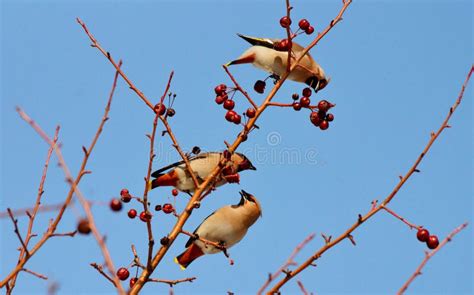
133,281
132,213
295,96
296,106
220,99
168,208
432,242
123,273
307,92
83,226
145,216
283,45
423,235
115,205
174,192
229,104
237,119
324,105
304,24
158,208
324,125
285,22
125,195
251,112
305,102
160,109
229,116
220,89
170,112
315,118
309,30
259,86
330,117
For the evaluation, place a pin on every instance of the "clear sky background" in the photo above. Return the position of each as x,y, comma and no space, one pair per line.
396,68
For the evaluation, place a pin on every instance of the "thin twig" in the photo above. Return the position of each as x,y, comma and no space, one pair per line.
290,261
239,88
100,269
115,64
172,282
302,288
428,256
17,231
410,225
38,275
387,200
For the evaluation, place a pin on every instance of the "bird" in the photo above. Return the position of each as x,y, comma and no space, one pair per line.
226,226
202,165
264,55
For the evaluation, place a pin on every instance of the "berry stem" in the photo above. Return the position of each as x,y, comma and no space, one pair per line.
410,225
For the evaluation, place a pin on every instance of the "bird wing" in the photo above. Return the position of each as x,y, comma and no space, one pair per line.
191,239
157,173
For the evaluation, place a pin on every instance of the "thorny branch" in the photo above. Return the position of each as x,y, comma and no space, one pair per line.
428,255
387,200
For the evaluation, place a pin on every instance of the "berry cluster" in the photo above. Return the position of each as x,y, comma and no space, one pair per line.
303,25
167,208
423,235
285,22
319,118
222,98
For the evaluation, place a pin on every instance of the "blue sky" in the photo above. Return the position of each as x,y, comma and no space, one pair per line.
396,68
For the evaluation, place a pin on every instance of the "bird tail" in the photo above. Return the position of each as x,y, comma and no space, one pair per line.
188,256
168,179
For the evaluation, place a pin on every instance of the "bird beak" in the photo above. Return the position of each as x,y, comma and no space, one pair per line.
257,41
252,167
244,194
248,59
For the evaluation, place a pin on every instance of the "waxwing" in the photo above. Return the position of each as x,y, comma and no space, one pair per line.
226,226
177,175
264,54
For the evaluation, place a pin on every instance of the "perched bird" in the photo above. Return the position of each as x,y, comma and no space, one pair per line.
266,55
226,226
202,165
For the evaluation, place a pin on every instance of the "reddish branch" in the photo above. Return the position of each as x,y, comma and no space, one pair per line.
202,188
302,288
428,255
289,262
151,241
239,88
73,190
24,250
387,200
410,225
100,269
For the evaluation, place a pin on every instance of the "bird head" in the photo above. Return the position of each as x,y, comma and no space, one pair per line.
242,162
248,200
